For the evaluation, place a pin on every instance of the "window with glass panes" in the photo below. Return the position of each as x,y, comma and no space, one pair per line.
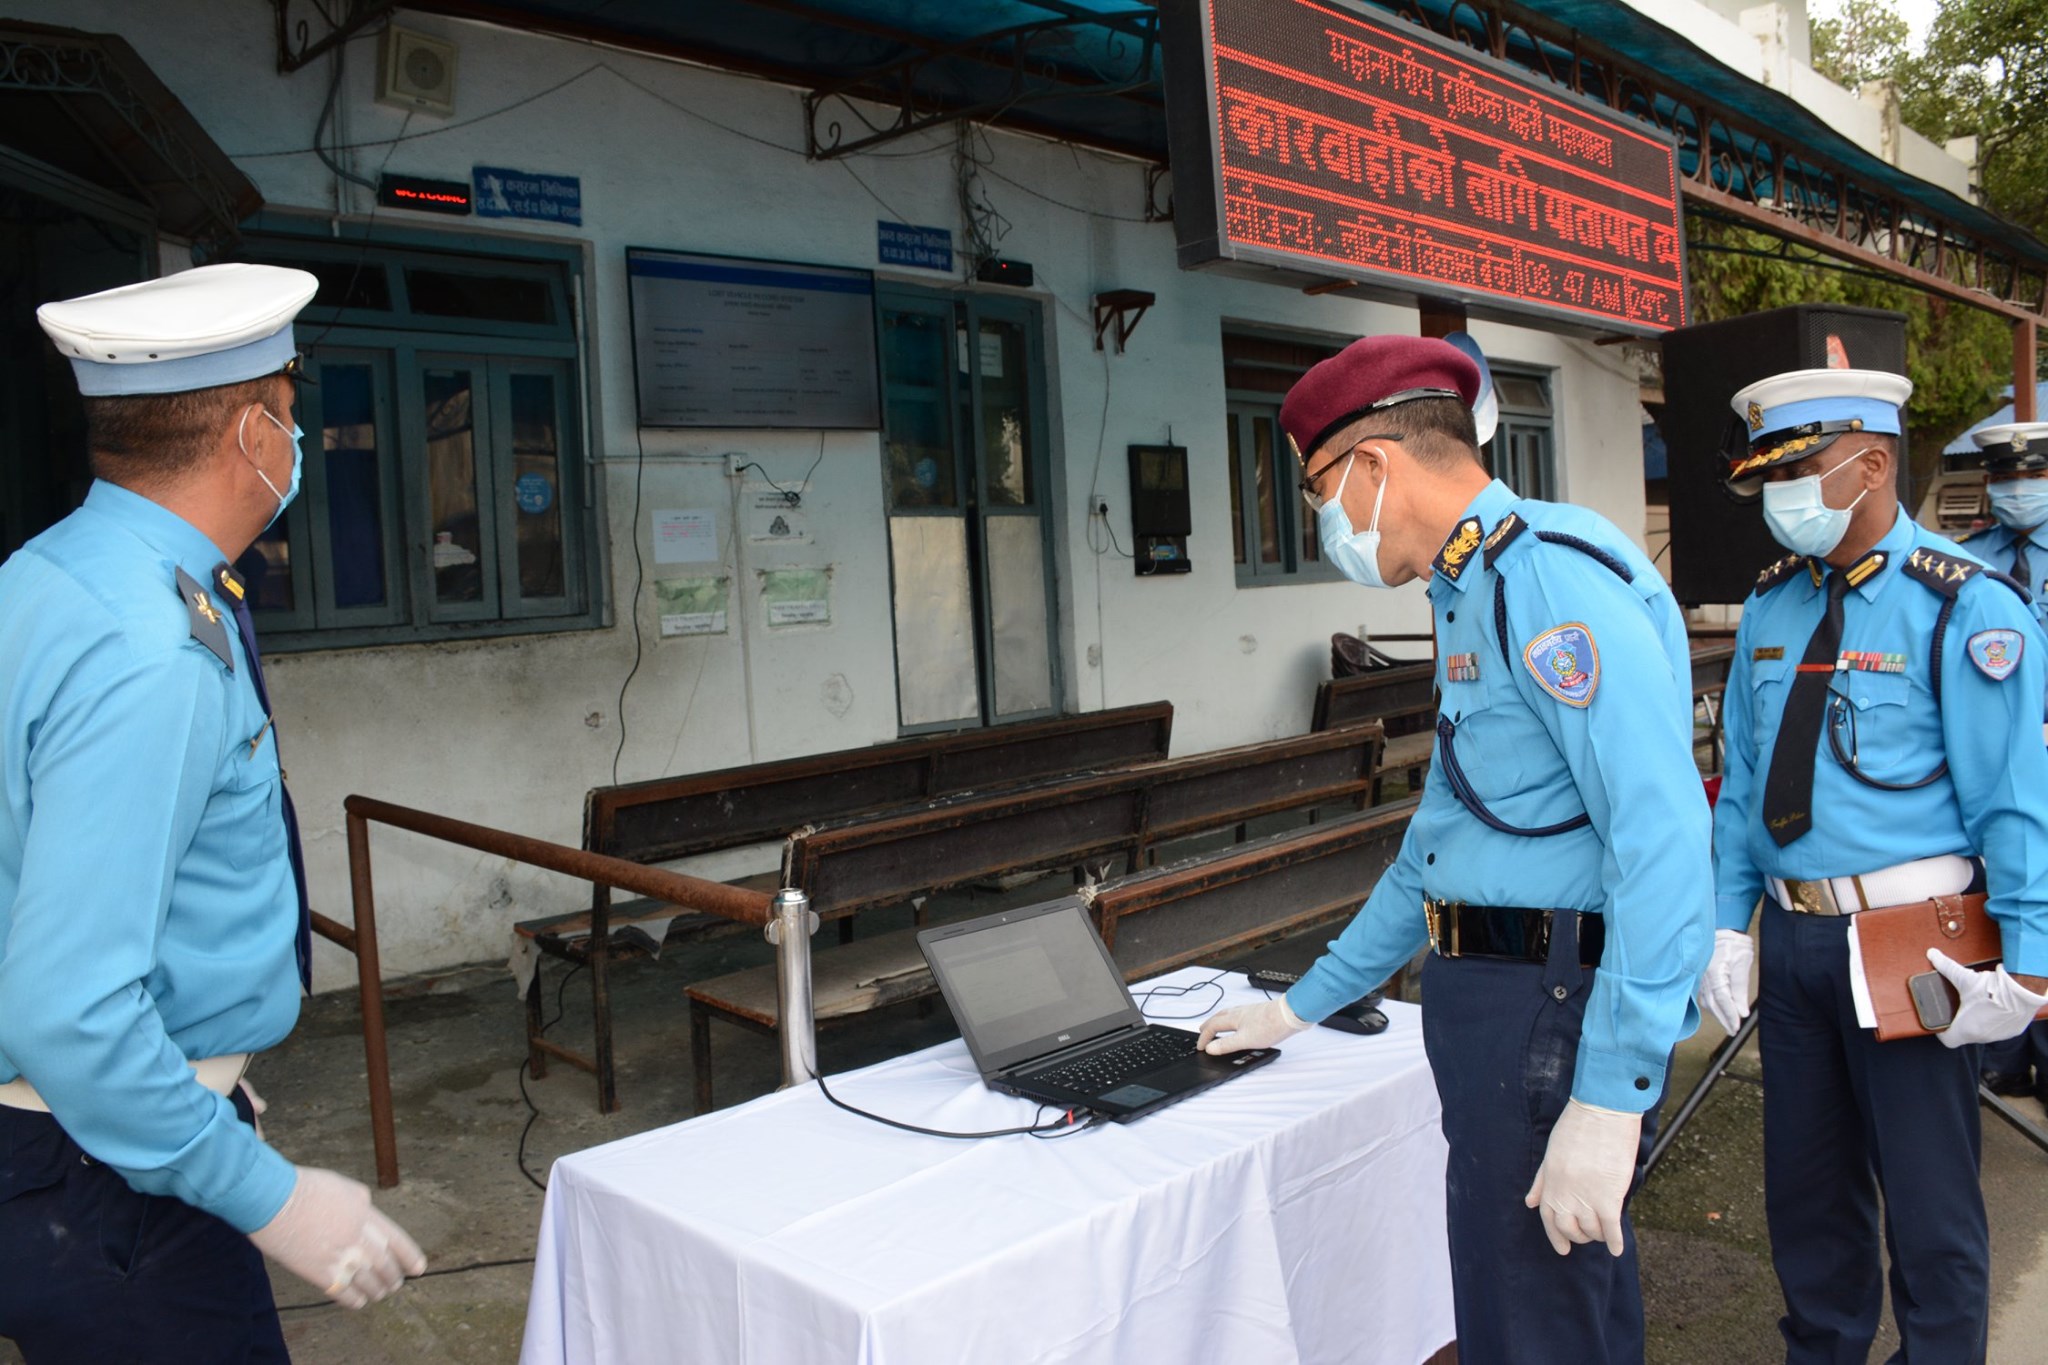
1523,451
445,485
1272,532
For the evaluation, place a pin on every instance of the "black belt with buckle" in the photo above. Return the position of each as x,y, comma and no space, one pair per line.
1510,933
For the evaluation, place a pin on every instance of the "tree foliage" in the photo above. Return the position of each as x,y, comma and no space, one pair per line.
1982,73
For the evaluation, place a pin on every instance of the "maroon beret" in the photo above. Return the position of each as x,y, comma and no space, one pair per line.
1374,373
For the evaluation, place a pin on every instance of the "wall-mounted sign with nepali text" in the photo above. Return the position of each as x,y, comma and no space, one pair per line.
1314,140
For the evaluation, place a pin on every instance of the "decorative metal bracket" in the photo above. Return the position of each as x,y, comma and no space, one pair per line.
837,123
57,63
296,45
1123,307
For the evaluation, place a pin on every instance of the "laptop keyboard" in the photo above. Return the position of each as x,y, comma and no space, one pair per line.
1111,1067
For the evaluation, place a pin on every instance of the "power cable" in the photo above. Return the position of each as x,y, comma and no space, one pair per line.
633,603
1065,1125
525,1063
425,1275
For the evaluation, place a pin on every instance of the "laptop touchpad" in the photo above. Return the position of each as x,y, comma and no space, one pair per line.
1132,1095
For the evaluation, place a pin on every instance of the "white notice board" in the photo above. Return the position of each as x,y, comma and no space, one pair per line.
720,341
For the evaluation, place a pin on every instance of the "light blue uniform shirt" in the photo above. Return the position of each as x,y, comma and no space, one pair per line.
1994,545
147,910
1623,758
1992,801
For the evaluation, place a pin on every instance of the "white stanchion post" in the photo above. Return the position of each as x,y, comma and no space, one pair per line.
790,931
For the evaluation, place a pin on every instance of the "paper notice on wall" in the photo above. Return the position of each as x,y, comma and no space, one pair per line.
692,606
772,518
797,597
686,536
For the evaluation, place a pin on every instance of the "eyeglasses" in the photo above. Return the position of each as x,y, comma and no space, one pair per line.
1309,495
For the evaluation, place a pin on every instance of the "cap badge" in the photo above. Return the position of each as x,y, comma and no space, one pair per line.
1756,417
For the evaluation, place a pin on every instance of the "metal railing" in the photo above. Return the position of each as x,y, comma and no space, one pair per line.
786,918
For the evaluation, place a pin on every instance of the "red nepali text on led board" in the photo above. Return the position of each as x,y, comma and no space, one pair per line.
1375,153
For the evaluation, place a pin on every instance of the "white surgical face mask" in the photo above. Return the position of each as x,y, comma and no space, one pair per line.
2020,503
1355,554
284,499
1799,516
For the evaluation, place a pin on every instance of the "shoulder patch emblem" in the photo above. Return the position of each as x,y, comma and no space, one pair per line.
1997,652
209,628
1565,663
1457,551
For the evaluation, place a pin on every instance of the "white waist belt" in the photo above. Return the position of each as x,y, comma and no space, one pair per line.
1920,880
219,1074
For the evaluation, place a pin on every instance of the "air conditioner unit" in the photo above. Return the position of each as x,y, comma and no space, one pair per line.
415,71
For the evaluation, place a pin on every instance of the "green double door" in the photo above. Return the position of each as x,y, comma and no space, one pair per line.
967,472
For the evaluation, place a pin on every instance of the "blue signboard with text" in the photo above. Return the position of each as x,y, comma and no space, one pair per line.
927,248
503,193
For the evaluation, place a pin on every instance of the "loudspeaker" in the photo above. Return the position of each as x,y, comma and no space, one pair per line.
1720,545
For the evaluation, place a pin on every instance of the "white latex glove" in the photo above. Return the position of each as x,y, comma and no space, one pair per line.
1994,1006
1585,1175
1244,1027
331,1236
1724,986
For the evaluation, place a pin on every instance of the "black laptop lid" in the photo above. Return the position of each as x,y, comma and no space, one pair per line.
1027,982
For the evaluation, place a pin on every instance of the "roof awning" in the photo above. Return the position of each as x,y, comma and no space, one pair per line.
87,105
1088,71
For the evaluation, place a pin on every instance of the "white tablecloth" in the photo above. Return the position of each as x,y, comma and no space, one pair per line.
1295,1213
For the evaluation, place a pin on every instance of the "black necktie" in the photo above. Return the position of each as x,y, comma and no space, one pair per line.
1788,790
2022,572
232,590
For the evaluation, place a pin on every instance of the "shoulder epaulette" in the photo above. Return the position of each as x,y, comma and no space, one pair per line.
1946,574
2012,583
1780,572
209,628
1977,531
1605,558
1503,535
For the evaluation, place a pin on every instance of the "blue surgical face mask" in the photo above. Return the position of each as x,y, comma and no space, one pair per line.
1799,517
284,499
1355,554
2020,503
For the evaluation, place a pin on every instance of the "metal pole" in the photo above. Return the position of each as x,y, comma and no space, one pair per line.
1698,1096
790,930
1998,1106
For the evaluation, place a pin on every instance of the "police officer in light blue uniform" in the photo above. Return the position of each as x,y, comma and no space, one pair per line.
152,911
2014,457
1883,747
1557,863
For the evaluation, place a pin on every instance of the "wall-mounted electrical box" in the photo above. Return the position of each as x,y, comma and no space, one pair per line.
1160,517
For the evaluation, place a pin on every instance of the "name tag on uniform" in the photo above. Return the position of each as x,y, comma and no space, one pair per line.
1461,667
1764,652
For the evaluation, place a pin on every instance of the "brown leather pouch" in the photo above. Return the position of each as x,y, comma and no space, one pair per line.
1894,942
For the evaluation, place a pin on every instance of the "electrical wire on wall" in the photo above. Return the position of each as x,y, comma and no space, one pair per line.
633,602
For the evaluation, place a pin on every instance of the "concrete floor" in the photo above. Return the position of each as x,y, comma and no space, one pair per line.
457,1042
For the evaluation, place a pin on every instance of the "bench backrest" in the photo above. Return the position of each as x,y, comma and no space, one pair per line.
887,859
1232,902
675,817
1710,666
1407,690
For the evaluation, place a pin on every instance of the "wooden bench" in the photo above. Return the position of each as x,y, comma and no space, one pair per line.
1155,920
669,818
862,864
1402,699
1711,660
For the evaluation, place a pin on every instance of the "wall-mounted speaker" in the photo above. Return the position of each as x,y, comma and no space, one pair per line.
415,71
1719,544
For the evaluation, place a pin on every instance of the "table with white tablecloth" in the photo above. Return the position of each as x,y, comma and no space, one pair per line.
1295,1213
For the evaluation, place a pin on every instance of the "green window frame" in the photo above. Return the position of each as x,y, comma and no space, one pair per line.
447,493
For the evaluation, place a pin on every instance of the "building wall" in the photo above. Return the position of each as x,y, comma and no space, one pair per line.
511,733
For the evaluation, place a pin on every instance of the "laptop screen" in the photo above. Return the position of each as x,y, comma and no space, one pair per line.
1027,982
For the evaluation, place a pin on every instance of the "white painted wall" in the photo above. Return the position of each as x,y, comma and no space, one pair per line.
511,733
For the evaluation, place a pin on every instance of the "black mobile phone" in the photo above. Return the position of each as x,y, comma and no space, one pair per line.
1934,1000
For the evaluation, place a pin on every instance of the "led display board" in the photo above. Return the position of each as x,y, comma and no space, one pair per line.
725,342
1324,140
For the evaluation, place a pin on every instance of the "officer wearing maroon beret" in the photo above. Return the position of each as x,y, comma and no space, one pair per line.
1557,865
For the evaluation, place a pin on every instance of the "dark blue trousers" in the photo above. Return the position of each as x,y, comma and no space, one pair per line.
2026,1055
1503,1039
93,1273
1846,1117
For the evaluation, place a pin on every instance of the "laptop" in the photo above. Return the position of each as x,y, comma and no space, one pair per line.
1046,1014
